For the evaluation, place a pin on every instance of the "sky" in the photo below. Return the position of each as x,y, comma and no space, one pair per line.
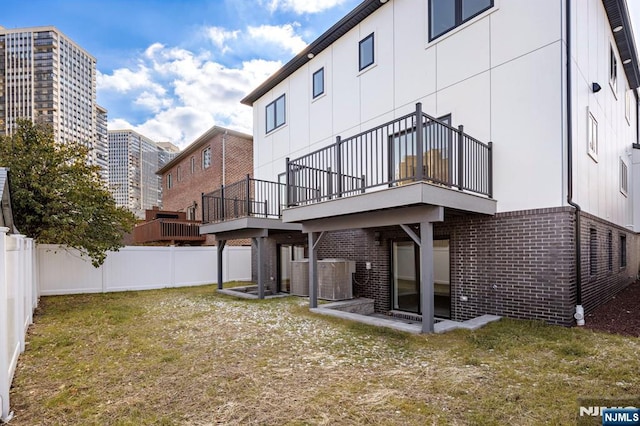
171,69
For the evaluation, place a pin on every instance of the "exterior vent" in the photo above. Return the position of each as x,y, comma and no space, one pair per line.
335,279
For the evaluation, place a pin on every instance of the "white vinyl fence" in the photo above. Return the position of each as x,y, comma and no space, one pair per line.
66,271
26,272
18,299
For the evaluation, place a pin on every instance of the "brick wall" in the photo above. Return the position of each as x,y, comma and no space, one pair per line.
188,185
602,273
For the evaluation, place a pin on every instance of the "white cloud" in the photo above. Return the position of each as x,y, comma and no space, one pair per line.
283,35
219,37
198,93
303,6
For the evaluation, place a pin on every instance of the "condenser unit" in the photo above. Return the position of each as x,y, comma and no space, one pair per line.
335,279
300,277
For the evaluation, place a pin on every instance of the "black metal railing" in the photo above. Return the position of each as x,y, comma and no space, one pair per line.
246,198
392,154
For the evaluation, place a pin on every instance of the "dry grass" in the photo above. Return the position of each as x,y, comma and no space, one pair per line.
191,356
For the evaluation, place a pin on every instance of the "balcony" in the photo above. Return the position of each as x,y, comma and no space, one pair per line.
168,230
392,166
245,209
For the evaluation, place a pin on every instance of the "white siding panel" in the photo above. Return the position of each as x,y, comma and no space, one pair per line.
346,108
463,54
521,26
526,124
415,67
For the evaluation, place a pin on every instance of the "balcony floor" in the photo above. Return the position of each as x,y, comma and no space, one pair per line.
415,195
247,227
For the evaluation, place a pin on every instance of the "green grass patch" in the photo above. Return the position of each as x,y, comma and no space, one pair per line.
193,356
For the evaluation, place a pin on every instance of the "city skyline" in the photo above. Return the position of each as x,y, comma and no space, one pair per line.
169,71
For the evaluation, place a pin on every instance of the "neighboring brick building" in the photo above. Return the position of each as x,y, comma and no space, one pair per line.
219,156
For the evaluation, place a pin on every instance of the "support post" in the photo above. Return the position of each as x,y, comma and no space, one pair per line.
202,218
329,184
460,157
221,202
260,260
314,240
419,144
426,276
313,273
220,248
287,182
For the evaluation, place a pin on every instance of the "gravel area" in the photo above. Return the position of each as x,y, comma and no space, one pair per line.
621,315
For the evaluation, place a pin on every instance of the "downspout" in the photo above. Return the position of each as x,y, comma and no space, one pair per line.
579,313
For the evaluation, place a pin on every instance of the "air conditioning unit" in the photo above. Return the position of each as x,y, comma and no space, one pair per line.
335,279
300,277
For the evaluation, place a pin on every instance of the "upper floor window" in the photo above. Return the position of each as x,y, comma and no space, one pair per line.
179,173
275,113
627,105
206,157
169,181
624,177
592,137
318,83
366,57
193,165
445,15
613,69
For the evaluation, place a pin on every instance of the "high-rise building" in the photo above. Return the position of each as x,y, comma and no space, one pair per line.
101,151
47,78
134,160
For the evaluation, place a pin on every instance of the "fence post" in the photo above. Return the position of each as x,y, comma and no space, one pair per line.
222,202
20,290
330,184
202,208
490,169
460,157
338,166
5,415
419,176
287,182
248,195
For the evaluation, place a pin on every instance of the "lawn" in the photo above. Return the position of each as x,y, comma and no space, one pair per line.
191,356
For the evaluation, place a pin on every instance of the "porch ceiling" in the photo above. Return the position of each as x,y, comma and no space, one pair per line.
400,198
247,227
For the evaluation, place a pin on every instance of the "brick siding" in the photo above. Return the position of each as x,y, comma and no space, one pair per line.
187,190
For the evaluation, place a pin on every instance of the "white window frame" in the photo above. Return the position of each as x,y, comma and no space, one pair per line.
206,158
627,105
613,70
592,136
624,177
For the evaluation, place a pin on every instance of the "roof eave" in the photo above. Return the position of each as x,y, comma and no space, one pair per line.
618,16
357,15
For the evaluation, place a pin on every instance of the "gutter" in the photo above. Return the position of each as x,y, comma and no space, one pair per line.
579,313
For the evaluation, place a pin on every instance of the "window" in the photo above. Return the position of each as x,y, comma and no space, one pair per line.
366,52
318,83
623,251
592,137
179,174
610,251
275,112
593,252
445,15
206,158
191,212
193,165
624,177
169,181
613,70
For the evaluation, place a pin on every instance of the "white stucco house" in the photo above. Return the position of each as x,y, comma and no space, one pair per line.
527,201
